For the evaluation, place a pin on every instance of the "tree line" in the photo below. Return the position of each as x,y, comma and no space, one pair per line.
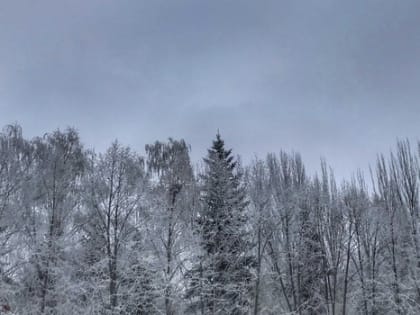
120,233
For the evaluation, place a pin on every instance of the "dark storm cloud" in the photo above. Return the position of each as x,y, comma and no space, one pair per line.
332,78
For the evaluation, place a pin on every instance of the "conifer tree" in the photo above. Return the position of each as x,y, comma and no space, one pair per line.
220,284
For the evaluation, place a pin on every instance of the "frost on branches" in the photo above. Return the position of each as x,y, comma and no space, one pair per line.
118,233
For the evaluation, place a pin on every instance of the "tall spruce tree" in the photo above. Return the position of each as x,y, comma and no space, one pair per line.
221,283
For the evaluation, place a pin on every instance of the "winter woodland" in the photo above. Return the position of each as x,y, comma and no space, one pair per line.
121,233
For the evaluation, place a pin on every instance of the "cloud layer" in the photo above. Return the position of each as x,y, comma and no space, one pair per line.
333,78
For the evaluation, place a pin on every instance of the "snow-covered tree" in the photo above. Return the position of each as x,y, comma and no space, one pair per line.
221,281
259,193
114,190
54,194
15,172
169,164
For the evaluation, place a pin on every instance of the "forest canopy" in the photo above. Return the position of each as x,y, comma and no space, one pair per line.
123,233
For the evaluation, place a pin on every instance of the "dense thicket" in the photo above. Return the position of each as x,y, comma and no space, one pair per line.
120,233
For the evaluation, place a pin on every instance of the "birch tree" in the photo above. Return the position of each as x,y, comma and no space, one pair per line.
170,164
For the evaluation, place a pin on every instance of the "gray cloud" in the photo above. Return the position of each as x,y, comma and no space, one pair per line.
332,78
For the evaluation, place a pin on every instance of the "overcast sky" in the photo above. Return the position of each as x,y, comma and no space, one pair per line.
339,79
